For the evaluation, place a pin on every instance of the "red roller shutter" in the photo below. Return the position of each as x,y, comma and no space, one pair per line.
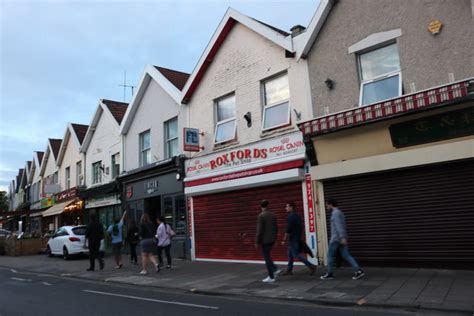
225,223
421,217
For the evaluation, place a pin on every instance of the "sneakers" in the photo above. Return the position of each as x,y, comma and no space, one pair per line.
277,272
357,275
327,276
143,272
268,280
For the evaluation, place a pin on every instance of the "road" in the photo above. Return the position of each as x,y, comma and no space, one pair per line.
24,293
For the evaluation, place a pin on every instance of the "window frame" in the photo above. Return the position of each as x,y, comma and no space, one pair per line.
380,77
141,149
268,106
113,163
218,123
67,177
96,173
79,172
169,140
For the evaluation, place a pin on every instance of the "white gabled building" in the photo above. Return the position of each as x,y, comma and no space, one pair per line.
152,137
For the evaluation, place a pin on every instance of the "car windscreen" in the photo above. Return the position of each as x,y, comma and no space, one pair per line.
80,231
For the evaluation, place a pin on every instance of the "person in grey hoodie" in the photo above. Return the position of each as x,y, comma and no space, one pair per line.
338,242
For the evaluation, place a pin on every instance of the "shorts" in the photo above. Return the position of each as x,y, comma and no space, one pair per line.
148,245
116,249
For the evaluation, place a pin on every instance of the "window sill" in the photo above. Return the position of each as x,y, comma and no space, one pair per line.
225,145
277,131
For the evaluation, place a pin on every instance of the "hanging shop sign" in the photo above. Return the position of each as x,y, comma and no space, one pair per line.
47,202
309,197
191,139
266,151
102,201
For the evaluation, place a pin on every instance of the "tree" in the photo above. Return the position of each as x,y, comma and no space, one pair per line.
3,201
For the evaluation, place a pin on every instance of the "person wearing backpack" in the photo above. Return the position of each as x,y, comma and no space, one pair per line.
164,233
115,231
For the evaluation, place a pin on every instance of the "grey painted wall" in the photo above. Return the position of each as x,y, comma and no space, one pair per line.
425,59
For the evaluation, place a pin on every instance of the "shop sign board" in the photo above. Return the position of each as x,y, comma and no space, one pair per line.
102,201
309,195
191,139
47,202
270,151
66,195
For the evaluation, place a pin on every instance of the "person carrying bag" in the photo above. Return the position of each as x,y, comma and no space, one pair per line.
164,234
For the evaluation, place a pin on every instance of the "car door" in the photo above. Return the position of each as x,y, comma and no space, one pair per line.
62,239
58,240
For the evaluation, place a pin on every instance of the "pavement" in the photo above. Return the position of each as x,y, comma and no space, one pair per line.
407,289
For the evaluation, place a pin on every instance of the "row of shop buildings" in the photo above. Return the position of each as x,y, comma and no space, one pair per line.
371,104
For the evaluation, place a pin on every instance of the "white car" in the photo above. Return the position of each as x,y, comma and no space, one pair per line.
69,240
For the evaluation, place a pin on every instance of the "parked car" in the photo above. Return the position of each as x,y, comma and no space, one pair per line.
68,241
4,232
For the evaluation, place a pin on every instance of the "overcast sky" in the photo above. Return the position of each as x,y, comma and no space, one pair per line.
58,58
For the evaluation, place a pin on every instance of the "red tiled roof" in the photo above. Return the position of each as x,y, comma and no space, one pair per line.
177,78
389,108
117,109
80,131
55,146
40,155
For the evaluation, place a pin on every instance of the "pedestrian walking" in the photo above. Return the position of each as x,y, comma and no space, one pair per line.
267,230
147,243
164,233
338,242
115,231
294,228
93,238
133,240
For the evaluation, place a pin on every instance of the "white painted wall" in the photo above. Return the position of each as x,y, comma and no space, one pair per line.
105,142
155,108
71,157
50,169
243,61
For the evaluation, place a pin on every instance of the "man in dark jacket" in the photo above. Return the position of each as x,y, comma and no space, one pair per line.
267,230
293,235
94,234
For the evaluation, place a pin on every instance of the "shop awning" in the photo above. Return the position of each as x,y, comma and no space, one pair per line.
56,209
37,214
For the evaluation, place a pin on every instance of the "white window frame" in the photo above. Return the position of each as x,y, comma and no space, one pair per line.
169,140
142,150
381,77
67,177
96,175
113,163
79,172
224,121
268,106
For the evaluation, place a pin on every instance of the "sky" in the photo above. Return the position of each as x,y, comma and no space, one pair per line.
58,58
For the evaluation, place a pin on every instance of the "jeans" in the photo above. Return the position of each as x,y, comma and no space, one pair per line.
294,252
133,253
168,254
344,251
271,267
94,253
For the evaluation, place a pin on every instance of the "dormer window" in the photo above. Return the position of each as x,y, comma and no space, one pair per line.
276,99
226,125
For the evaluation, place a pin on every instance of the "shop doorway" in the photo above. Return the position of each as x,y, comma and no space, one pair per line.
153,208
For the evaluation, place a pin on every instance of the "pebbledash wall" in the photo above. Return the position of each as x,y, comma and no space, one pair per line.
225,183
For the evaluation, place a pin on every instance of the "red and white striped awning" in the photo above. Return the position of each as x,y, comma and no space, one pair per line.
389,108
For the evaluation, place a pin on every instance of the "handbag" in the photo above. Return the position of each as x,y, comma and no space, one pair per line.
170,231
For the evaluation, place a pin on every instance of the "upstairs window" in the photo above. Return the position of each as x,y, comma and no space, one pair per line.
276,99
145,148
171,138
96,172
115,165
67,178
79,173
380,75
226,125
56,178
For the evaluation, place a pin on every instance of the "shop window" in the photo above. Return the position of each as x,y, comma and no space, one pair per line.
79,173
174,211
96,172
276,99
171,138
380,75
67,178
226,125
115,165
145,148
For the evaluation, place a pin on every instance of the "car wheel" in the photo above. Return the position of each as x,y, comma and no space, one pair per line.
48,252
66,255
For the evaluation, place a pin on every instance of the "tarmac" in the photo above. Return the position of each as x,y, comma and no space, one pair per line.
408,289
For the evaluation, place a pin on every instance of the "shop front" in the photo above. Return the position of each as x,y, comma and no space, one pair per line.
156,190
402,172
224,191
66,208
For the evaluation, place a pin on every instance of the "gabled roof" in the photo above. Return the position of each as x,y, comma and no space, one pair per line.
55,146
305,41
114,111
28,170
230,18
18,180
169,80
38,158
80,130
177,78
52,145
117,109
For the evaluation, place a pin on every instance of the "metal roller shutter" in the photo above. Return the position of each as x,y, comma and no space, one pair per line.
421,217
225,223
